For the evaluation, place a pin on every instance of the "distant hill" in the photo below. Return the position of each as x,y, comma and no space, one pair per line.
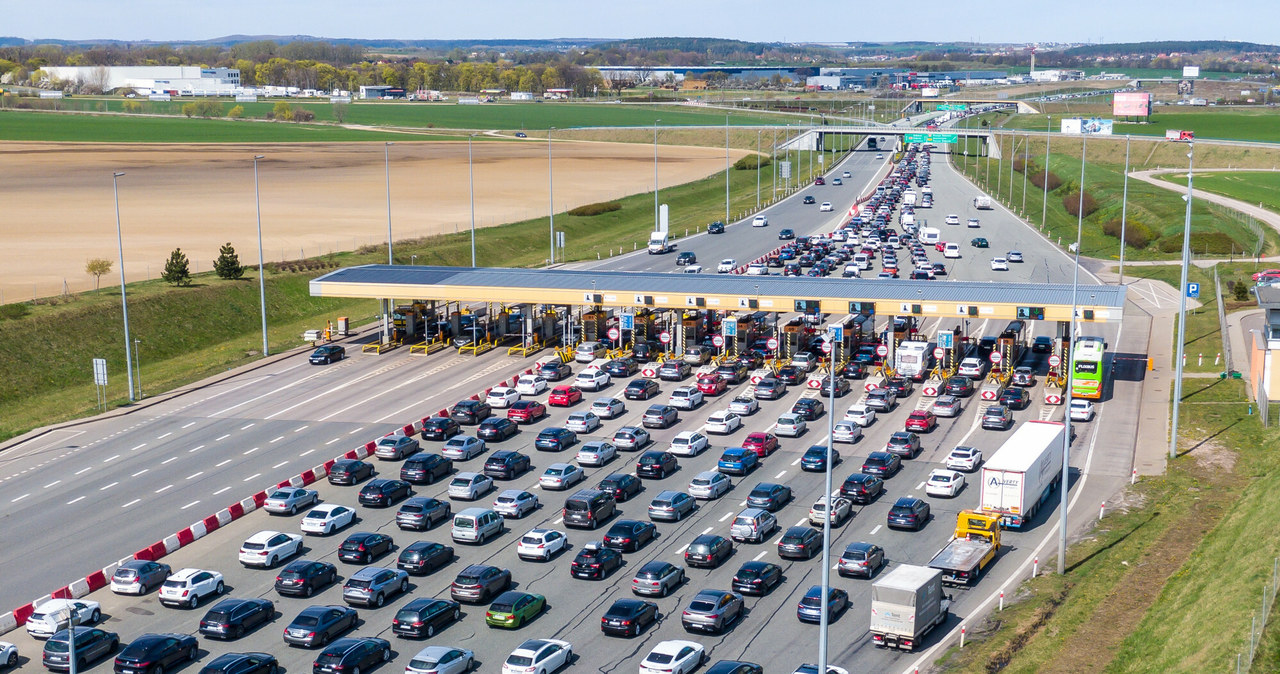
552,44
1165,47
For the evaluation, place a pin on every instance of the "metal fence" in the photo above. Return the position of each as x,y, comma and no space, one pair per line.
1244,659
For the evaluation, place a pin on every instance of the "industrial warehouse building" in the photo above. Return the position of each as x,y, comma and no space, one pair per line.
147,80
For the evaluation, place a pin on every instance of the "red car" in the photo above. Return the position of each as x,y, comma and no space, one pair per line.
564,396
763,444
526,411
1266,274
941,246
711,385
922,421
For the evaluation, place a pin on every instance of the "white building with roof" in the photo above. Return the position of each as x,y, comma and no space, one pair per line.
174,80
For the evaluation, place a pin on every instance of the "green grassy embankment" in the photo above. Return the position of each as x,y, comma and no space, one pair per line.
1261,188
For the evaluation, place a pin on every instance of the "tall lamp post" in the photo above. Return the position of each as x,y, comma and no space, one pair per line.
386,157
655,174
551,196
835,337
726,169
124,302
262,283
1071,336
1182,306
471,176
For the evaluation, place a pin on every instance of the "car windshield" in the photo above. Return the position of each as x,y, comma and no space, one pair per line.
660,658
461,482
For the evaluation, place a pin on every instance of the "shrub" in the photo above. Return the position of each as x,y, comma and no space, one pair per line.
1048,182
1202,243
236,112
1077,203
14,311
751,162
303,116
596,209
1136,234
1241,290
189,109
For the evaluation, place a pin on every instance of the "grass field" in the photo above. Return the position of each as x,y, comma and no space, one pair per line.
1219,123
1250,187
54,127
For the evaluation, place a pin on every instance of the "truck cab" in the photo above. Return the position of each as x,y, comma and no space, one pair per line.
659,243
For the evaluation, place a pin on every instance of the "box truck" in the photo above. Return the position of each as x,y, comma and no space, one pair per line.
659,244
982,203
905,604
1019,477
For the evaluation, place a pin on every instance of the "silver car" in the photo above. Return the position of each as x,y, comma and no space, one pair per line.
462,447
441,660
709,485
608,408
790,425
396,447
288,500
947,406
712,611
596,453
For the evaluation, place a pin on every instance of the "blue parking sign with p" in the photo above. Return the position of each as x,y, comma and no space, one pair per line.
1193,290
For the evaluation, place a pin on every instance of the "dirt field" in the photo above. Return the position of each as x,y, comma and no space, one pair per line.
58,208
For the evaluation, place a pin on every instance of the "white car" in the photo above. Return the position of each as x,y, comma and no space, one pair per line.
441,660
289,500
501,397
266,548
809,668
692,269
685,398
592,379
951,251
582,422
53,614
943,482
879,156
688,443
596,453
673,657
846,431
825,207
469,486
952,219
709,484
744,406
462,447
530,385
515,503
723,422
963,458
846,174
608,408
757,269
541,544
1081,410
8,655
327,518
971,367
999,264
726,266
790,425
538,656
973,223
841,507
188,586
561,476
861,415
760,221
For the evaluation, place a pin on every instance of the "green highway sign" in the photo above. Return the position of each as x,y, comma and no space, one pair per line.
953,106
929,137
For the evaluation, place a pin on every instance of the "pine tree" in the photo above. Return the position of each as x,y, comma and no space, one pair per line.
228,263
177,270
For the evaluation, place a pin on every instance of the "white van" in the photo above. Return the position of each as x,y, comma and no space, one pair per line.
952,250
589,351
862,260
476,525
930,235
907,219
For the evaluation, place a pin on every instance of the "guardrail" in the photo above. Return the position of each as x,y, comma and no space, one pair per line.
378,348
424,348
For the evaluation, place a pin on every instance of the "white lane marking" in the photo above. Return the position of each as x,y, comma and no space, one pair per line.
83,470
190,425
113,458
195,449
742,504
20,498
559,520
221,490
108,486
188,505
802,521
681,550
726,516
873,531
276,439
165,436
762,554
252,451
221,438
172,458
305,453
247,426
136,500
920,486
138,447
331,442
195,475
140,472
75,500
355,431
301,429
779,475
223,463
164,488
51,484
251,477
279,464
707,530
796,461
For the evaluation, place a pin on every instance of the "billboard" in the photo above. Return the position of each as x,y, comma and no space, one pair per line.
1131,104
1076,125
1190,71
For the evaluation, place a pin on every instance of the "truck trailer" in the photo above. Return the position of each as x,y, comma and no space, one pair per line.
905,604
1019,477
975,544
982,203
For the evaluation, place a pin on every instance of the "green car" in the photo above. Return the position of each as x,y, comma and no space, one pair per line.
512,609
979,243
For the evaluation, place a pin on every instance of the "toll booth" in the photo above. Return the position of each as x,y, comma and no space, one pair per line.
693,327
641,327
595,325
1055,382
794,336
409,322
1011,344
742,330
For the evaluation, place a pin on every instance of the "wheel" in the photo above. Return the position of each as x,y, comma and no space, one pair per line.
195,599
379,600
80,664
159,669
293,509
95,616
235,634
355,670
662,475
220,588
404,586
13,660
431,631
191,654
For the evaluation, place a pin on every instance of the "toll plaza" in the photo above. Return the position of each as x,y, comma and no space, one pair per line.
705,320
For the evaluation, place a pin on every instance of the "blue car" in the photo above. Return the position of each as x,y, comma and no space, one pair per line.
738,461
815,458
555,439
810,608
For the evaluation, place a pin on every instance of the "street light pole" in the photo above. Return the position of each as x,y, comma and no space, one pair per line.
1071,336
551,196
1124,205
1182,306
262,283
726,169
471,177
137,358
824,620
124,302
655,174
757,170
386,155
1044,199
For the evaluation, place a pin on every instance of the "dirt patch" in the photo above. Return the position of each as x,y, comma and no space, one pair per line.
1025,633
1212,457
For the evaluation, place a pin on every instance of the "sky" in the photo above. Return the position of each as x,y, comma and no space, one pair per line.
1029,21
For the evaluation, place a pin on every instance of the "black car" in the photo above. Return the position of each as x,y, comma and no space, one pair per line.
327,354
382,493
318,625
734,373
882,464
595,562
497,429
622,485
674,370
708,550
1015,398
421,512
808,199
757,578
641,389
861,488
555,370
507,465
791,374
423,617
153,653
424,468
904,443
901,386
734,667
854,369
997,417
231,618
471,412
909,513
423,557
800,543
686,257
349,471
809,409
959,386
659,416
646,352
621,367
440,428
716,227
302,577
769,496
352,655
1042,344
242,663
841,383
656,464
628,617
364,547
629,535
